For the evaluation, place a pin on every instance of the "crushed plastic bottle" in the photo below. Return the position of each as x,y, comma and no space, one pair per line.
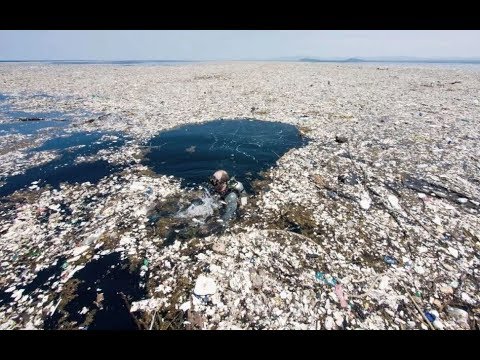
390,260
430,316
326,278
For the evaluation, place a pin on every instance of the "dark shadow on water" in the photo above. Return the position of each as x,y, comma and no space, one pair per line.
110,274
243,148
64,169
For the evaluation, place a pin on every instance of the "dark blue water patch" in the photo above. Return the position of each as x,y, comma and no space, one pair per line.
91,142
42,281
58,116
37,119
30,127
30,116
35,115
45,277
111,276
5,297
243,148
63,168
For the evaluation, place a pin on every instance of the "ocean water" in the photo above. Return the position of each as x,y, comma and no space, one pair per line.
244,148
64,168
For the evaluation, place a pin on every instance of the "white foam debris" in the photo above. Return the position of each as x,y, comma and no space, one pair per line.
399,180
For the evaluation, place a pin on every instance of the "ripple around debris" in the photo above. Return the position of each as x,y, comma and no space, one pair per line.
244,148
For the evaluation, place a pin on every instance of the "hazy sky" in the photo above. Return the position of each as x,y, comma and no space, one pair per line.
231,44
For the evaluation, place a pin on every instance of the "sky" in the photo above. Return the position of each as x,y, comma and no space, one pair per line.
234,44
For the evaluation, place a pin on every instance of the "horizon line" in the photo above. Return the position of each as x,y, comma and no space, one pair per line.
281,58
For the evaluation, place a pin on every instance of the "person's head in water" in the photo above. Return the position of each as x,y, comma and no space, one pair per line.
219,181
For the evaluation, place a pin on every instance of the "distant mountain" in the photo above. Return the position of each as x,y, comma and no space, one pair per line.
419,59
